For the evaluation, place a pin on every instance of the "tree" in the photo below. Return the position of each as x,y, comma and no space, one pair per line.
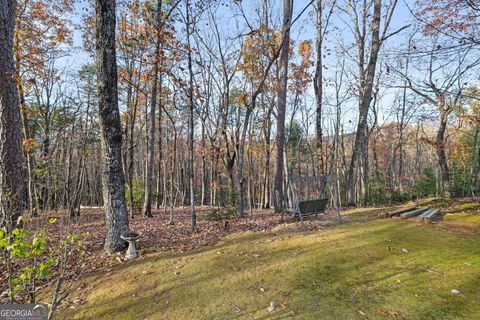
113,180
474,117
12,195
321,30
48,21
189,25
282,105
441,87
458,19
147,205
365,30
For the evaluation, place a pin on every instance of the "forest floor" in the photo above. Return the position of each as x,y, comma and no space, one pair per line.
367,268
158,235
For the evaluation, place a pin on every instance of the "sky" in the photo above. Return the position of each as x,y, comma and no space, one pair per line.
304,29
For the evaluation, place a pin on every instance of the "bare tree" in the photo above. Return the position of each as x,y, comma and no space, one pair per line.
147,205
113,179
321,30
191,125
365,30
442,87
282,106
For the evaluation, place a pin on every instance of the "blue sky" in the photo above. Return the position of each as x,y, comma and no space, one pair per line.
302,30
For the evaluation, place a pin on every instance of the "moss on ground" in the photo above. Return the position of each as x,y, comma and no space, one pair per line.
368,268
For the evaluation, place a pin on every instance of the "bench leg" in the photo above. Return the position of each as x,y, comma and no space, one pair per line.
301,220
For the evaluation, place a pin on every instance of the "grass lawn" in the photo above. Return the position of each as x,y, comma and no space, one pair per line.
368,268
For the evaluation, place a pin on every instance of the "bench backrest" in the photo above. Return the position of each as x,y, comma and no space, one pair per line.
312,206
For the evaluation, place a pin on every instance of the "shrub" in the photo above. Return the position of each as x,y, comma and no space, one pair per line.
461,181
29,259
427,185
227,198
402,195
376,194
138,194
220,214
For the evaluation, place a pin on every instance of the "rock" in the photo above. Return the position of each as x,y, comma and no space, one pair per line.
405,250
271,308
455,291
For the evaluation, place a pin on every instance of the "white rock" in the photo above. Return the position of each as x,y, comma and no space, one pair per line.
455,291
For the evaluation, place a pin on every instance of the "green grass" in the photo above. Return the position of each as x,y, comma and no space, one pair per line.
352,271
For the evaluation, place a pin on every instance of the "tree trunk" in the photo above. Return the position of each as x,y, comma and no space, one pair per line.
241,156
113,180
161,190
205,189
131,147
32,200
282,105
266,175
442,157
12,191
318,86
475,163
365,97
147,205
191,173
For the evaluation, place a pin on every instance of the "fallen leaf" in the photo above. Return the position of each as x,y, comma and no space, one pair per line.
363,314
271,308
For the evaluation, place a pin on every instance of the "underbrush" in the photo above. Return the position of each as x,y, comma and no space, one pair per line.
219,214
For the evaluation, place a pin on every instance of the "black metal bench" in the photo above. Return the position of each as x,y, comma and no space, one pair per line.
306,195
310,207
